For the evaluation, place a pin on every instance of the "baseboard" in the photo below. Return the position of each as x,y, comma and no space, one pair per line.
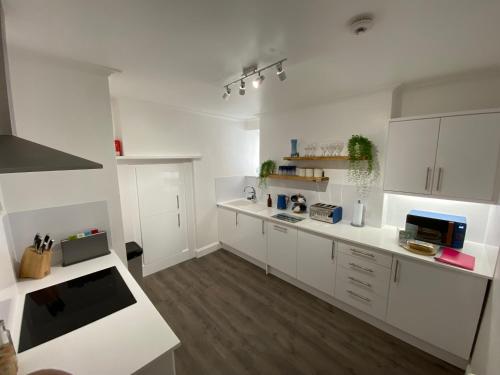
148,269
205,250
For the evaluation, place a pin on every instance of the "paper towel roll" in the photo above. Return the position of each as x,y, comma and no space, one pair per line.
357,214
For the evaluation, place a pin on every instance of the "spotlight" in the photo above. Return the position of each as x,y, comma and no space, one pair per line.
281,73
258,81
242,88
227,93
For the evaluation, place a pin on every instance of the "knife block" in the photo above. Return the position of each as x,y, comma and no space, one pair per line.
34,265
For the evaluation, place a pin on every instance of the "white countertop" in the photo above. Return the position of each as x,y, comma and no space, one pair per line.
120,343
384,239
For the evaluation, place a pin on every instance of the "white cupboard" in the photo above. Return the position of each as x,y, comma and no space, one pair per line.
161,197
251,232
411,150
282,248
244,233
227,227
467,156
436,305
455,157
316,261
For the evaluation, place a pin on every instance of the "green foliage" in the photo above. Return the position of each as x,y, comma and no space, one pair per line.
267,168
360,149
363,166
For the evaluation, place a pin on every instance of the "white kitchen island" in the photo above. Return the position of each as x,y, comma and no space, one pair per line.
123,342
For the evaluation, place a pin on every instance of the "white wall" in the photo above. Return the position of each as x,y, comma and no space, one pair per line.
7,276
485,359
367,115
65,105
478,215
226,147
464,92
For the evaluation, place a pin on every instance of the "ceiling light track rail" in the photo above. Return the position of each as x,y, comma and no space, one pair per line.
251,71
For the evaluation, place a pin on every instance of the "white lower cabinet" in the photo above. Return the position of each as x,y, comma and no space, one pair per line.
362,279
282,248
436,305
316,261
227,227
244,233
251,233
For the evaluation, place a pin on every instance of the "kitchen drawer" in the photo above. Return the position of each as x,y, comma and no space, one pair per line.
361,298
384,260
376,283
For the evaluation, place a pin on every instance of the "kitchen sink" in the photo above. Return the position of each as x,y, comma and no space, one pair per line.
246,205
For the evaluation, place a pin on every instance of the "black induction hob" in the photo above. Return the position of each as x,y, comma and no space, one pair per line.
59,309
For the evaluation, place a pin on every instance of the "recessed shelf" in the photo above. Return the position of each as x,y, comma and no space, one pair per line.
298,178
316,158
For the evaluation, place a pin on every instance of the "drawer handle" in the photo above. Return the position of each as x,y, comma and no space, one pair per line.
356,295
358,267
362,253
357,281
280,229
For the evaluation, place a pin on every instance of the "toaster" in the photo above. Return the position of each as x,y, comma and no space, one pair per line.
325,212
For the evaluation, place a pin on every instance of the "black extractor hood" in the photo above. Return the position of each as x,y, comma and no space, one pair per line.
18,154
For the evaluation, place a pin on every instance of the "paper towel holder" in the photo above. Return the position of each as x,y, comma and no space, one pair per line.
358,214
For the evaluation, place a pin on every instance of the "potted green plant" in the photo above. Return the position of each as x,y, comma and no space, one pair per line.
363,166
267,168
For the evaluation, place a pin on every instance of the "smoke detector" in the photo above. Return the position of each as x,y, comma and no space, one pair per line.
361,24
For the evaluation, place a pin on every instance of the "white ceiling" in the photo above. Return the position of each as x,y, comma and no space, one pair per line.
181,52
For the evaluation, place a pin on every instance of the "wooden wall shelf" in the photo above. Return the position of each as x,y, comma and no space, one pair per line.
316,158
298,178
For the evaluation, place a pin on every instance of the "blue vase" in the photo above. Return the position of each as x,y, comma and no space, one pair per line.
294,148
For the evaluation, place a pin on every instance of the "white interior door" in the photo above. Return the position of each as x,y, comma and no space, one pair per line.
161,196
411,151
467,157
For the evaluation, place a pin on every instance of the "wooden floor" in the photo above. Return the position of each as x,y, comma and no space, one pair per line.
233,319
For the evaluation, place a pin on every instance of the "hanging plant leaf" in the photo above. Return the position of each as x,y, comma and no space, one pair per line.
267,168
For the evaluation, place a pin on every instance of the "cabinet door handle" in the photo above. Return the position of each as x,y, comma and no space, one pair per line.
356,295
263,227
357,281
179,220
236,218
396,272
362,253
358,267
280,229
440,178
177,201
333,249
428,178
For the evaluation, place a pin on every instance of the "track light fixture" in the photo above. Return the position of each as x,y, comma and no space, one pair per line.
257,82
227,93
280,72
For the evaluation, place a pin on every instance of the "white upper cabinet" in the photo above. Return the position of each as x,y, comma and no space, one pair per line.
316,261
454,157
436,305
411,151
467,157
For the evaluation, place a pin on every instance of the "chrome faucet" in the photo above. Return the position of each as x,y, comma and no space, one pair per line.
252,196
